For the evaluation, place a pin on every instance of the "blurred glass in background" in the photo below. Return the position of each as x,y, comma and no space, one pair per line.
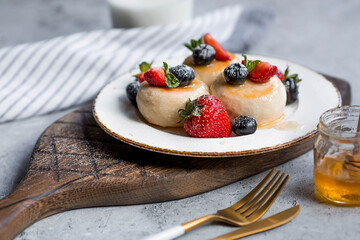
141,13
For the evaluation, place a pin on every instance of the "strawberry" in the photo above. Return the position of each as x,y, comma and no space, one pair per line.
280,75
144,67
140,77
221,54
206,117
259,72
155,77
262,72
161,77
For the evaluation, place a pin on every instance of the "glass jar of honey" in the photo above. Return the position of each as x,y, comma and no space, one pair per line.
337,155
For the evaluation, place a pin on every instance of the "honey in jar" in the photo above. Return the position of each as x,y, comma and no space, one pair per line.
337,156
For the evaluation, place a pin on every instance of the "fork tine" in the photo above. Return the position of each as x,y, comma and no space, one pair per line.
251,194
257,215
256,205
262,193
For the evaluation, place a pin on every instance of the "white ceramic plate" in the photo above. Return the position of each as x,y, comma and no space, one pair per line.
119,118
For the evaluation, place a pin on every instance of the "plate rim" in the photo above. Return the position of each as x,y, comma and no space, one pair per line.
213,154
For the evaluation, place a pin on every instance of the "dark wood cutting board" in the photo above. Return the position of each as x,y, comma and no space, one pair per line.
75,164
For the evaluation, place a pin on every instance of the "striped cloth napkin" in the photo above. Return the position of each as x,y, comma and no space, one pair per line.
50,75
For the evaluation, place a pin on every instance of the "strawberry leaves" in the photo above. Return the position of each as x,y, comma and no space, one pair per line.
192,108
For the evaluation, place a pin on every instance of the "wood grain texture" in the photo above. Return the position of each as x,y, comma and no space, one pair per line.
75,164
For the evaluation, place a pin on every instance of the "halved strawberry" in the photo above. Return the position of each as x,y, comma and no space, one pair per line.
280,75
221,54
161,77
155,77
140,77
262,72
206,117
144,67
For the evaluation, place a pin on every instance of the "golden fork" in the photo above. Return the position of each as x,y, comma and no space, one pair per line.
248,210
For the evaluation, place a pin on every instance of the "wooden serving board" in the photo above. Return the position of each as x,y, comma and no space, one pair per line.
75,164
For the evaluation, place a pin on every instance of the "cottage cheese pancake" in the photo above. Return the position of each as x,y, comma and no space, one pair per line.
160,105
265,102
208,73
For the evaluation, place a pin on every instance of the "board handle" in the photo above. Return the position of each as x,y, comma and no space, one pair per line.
16,213
14,218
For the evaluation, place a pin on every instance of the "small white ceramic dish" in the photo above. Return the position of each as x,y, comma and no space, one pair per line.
119,118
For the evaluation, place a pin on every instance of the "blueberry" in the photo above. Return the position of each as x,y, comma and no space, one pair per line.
203,54
183,73
235,73
244,125
292,91
131,91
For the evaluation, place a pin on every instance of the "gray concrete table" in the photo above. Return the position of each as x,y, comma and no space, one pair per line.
323,35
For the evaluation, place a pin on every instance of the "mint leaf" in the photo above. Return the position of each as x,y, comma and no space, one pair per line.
245,59
171,80
286,73
145,66
294,76
136,76
166,67
201,40
188,46
251,65
194,43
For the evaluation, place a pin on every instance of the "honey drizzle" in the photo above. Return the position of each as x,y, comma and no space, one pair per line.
288,126
271,123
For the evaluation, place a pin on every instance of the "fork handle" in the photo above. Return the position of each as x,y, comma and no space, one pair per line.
168,234
179,230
